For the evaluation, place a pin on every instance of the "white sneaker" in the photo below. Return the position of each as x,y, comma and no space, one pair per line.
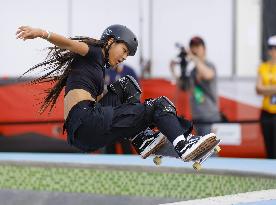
193,146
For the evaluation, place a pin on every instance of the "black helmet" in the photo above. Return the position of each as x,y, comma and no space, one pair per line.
124,34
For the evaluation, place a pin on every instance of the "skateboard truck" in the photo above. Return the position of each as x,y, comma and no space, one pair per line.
197,161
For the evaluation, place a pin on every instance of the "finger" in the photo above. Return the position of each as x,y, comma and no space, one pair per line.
20,35
18,31
17,34
23,27
23,35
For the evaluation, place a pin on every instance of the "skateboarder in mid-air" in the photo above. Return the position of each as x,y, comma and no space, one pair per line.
94,119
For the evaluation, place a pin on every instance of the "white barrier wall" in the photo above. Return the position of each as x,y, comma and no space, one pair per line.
16,56
172,21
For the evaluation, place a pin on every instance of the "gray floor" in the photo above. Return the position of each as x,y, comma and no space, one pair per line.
16,197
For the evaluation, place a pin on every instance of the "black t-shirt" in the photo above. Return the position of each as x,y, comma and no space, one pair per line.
87,72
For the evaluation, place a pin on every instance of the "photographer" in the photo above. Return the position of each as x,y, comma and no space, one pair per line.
204,98
183,81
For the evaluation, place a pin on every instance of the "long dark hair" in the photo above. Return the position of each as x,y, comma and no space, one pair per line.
56,68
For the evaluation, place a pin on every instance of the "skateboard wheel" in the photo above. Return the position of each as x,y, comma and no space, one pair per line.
157,160
217,149
197,166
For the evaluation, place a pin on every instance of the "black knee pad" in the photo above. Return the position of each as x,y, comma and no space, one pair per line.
127,89
162,104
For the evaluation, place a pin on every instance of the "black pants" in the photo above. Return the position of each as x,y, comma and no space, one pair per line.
268,125
91,125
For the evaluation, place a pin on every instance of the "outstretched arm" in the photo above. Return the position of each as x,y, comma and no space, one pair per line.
27,32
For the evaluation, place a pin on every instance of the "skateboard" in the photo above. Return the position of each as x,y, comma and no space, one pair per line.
167,150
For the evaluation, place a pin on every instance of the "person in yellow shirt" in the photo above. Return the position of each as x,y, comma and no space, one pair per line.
266,86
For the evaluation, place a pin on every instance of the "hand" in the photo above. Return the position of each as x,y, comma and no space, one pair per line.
173,63
192,57
27,32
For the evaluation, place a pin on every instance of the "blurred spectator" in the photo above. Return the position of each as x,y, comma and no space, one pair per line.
266,86
146,68
204,98
121,146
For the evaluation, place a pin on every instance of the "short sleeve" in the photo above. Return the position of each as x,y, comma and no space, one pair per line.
90,54
212,66
260,69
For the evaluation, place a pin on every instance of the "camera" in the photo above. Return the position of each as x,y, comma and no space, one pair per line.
182,49
184,78
182,55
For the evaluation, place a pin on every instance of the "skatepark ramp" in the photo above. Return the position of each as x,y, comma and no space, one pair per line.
27,178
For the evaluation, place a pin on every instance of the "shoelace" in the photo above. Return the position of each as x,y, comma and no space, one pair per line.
192,137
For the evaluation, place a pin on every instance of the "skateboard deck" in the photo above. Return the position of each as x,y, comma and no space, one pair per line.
167,150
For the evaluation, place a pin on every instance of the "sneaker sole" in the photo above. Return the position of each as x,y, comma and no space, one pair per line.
208,144
159,142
